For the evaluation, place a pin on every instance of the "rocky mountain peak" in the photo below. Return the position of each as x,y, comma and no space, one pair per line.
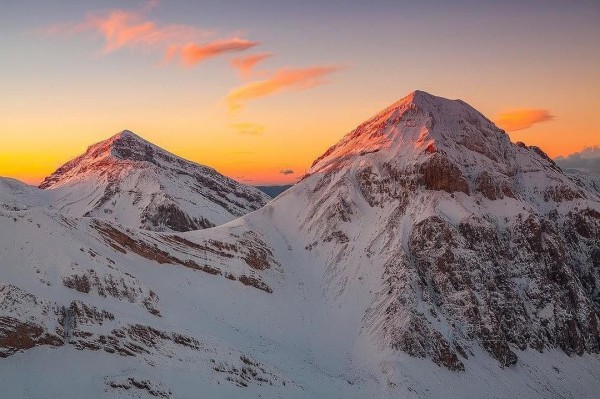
124,149
130,180
445,145
127,145
414,128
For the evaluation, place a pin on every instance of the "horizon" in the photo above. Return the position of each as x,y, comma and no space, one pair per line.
248,91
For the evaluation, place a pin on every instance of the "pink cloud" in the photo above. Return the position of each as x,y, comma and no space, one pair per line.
192,53
131,29
246,65
122,28
281,80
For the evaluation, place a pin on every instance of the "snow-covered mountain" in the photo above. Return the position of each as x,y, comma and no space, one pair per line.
423,256
133,182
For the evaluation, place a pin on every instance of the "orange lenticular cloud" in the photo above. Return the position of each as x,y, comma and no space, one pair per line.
191,53
283,79
520,119
245,65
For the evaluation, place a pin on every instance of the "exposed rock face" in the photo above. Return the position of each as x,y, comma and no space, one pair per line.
136,183
438,173
17,335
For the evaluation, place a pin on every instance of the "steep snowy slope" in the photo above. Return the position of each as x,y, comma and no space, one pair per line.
423,256
133,182
464,238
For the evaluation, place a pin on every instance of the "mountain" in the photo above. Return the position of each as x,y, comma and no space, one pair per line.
425,255
477,241
133,182
274,191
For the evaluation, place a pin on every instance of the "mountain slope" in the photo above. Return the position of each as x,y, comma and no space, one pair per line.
433,235
472,239
424,255
133,182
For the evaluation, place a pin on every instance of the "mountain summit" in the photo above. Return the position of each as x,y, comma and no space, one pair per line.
130,180
420,124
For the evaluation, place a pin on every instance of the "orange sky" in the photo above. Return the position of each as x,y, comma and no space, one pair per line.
269,87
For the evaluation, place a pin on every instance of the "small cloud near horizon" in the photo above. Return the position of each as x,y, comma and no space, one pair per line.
249,129
281,80
286,172
524,118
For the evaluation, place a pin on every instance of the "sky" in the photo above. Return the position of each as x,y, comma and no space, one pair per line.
259,89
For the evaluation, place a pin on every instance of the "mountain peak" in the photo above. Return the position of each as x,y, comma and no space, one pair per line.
419,95
424,99
123,145
126,134
414,127
132,181
123,148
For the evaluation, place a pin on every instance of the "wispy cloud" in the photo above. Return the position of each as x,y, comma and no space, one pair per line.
131,29
192,53
520,119
250,129
246,65
286,172
188,45
281,80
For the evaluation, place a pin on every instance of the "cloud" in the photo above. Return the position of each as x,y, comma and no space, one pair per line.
127,28
281,80
131,29
192,53
250,129
245,65
286,172
520,119
588,159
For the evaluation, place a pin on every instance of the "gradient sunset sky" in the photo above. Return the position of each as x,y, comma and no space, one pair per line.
259,89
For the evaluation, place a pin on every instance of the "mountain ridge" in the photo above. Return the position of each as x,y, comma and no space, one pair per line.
411,272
